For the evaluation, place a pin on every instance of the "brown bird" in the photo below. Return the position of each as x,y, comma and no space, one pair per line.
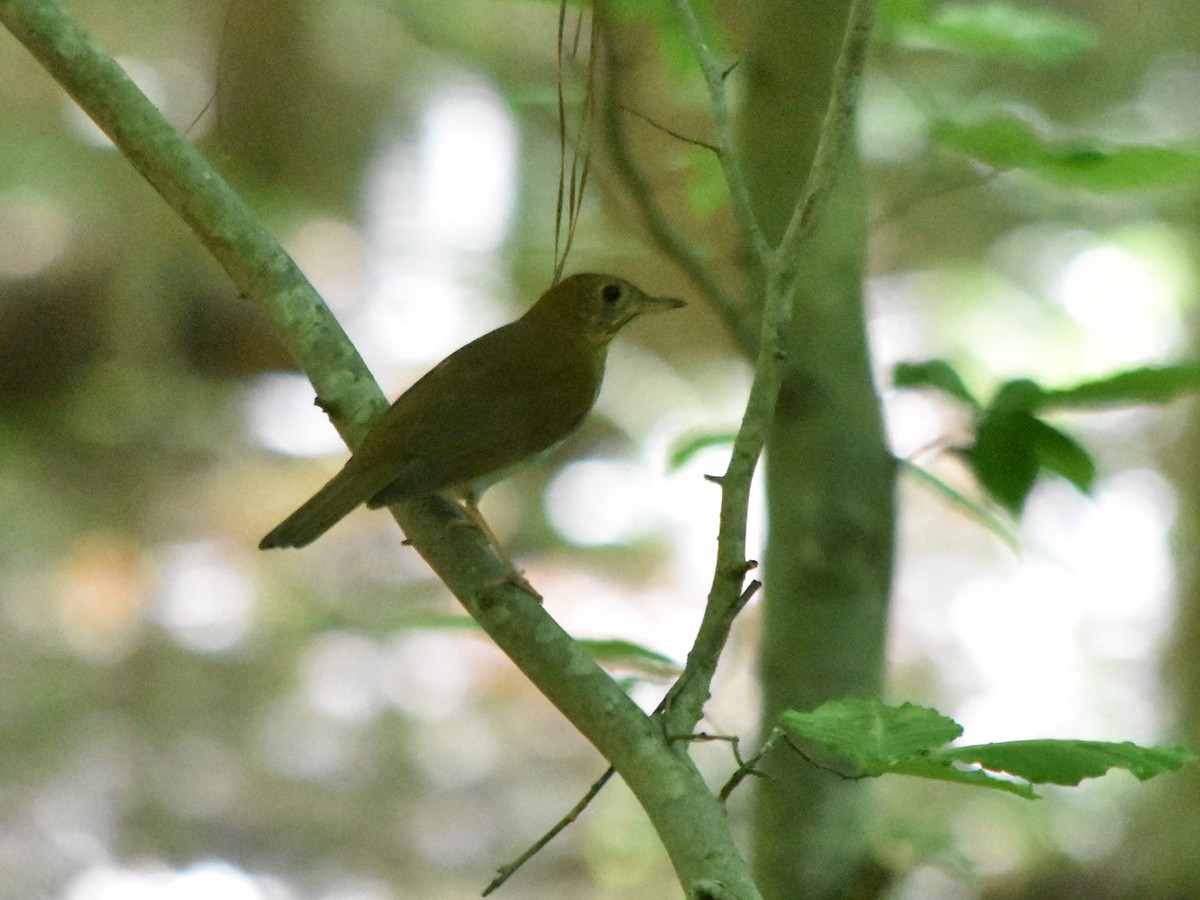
484,409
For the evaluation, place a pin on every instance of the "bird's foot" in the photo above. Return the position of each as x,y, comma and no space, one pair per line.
517,579
471,518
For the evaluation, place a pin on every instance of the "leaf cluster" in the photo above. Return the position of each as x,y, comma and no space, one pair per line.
1014,445
870,738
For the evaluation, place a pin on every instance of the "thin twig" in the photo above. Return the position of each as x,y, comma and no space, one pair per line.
750,766
710,640
845,776
739,193
690,692
506,871
737,315
733,740
696,142
562,142
726,596
572,185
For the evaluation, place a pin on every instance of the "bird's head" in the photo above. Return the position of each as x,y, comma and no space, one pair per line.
595,306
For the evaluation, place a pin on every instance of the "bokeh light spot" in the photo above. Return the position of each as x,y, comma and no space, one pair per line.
204,600
1108,290
596,501
282,417
33,235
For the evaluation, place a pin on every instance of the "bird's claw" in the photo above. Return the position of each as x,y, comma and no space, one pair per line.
518,580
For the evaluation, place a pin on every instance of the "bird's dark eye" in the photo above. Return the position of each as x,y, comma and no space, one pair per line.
611,293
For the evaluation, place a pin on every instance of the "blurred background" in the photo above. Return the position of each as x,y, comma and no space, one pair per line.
182,716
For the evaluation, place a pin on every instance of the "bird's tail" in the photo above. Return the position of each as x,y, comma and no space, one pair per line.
346,490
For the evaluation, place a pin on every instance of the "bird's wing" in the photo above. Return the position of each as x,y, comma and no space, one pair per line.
479,412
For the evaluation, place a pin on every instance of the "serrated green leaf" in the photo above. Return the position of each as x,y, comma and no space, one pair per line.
1068,762
924,767
963,503
870,733
1002,31
934,373
1063,455
880,739
689,447
1150,384
1004,142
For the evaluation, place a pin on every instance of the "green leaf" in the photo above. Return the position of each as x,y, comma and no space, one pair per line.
1068,762
431,621
614,652
1002,31
1004,142
897,14
1005,456
1062,455
1013,446
687,449
935,373
941,770
871,734
1018,395
875,738
963,503
1151,384
628,655
1122,168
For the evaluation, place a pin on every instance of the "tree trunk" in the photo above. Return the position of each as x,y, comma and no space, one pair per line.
830,478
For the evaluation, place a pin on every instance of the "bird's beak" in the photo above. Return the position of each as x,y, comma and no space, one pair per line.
659,304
